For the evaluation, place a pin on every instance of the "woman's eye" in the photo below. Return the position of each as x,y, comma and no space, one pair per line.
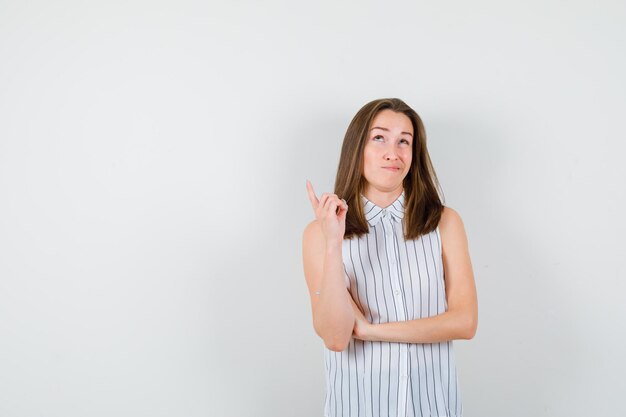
377,137
405,141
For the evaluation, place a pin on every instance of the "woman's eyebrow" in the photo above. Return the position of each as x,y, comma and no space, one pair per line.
387,130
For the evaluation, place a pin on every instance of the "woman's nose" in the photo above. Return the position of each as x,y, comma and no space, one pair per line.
391,155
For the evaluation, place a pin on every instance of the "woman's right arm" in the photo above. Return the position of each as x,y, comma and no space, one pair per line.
331,303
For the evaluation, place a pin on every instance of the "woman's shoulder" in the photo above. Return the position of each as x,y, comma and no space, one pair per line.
313,244
314,235
450,219
449,214
451,223
313,227
313,232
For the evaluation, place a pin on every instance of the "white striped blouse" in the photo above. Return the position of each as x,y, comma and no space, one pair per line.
393,279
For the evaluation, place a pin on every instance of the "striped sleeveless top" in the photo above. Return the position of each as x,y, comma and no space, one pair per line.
393,279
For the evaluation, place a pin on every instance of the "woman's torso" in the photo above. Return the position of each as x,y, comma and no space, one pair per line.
392,279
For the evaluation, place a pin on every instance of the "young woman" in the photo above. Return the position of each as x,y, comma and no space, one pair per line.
388,270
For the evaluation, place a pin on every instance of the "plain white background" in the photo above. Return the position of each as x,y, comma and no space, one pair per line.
153,158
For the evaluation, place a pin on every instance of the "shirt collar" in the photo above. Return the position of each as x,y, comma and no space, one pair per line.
374,213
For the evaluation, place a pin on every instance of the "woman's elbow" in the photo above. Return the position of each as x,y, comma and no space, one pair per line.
469,330
337,345
336,339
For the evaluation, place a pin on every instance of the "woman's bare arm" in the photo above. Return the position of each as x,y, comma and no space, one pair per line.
333,317
460,320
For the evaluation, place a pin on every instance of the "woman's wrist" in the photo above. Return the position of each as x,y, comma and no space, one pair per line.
333,247
365,331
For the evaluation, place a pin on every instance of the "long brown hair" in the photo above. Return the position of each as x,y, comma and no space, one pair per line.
422,204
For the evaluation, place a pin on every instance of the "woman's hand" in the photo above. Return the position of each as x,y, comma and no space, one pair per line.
362,327
330,212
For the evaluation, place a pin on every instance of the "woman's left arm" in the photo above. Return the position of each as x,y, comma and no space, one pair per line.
460,320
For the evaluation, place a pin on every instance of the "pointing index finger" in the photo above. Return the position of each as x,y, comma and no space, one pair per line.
314,201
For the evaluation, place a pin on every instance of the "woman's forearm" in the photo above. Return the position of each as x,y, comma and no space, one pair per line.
334,318
449,325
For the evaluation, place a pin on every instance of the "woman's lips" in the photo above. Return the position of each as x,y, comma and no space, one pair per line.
393,169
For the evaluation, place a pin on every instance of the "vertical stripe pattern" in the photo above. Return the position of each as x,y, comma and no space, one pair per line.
393,279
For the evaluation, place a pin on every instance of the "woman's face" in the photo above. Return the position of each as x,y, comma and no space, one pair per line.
388,151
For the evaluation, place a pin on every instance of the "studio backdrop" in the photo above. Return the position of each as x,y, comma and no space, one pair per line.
153,160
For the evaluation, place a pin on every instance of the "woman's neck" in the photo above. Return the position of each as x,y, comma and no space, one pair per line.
382,198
